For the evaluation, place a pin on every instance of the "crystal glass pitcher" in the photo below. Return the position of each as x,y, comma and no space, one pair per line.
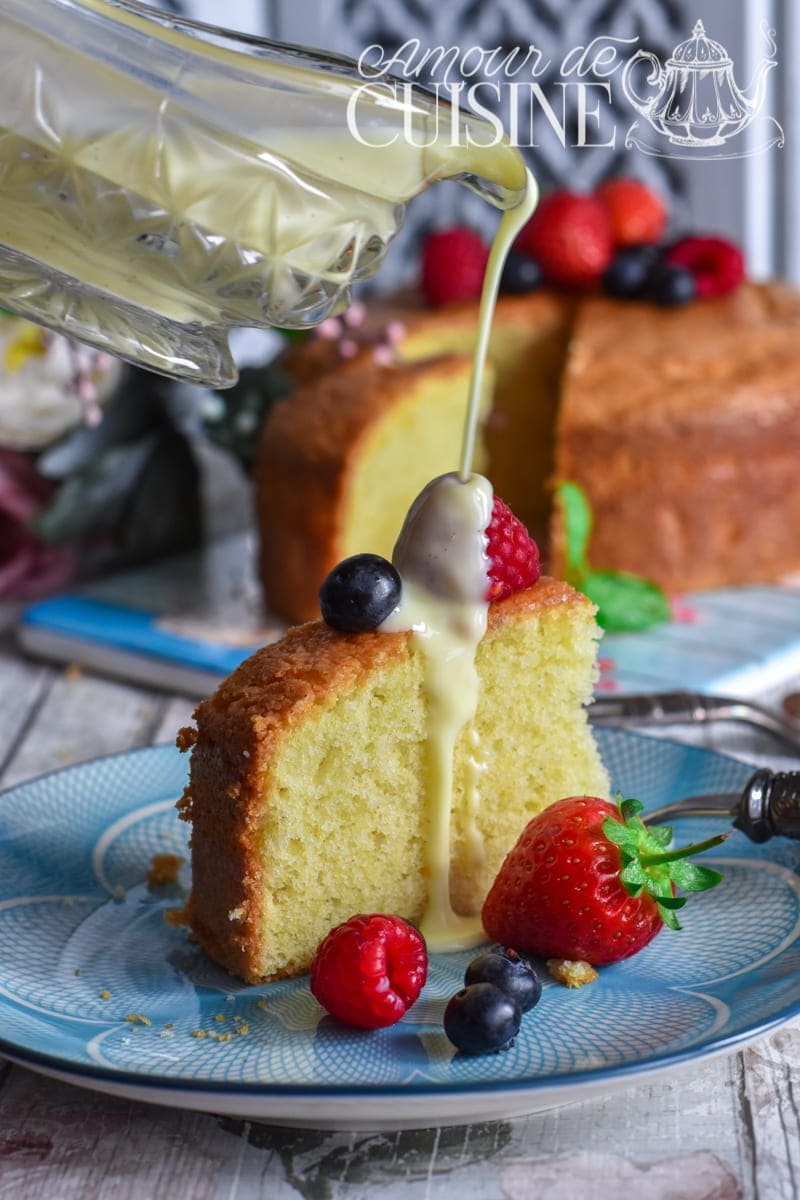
163,181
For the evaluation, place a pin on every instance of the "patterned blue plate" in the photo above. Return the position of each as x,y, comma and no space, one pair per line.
97,988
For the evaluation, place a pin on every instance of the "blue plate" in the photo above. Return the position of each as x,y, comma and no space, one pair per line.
96,987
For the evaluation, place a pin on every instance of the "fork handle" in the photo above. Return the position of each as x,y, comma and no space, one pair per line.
770,806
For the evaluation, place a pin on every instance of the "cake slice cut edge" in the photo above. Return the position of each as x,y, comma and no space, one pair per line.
307,781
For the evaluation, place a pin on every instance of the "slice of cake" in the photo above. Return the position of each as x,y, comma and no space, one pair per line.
389,768
307,792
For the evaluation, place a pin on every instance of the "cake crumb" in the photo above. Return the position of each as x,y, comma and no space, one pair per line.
236,914
74,671
106,995
137,1019
176,917
186,738
243,1028
220,1017
199,1033
224,1037
571,974
163,869
262,1004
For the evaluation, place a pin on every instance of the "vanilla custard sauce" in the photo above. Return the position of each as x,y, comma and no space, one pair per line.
442,559
159,188
162,186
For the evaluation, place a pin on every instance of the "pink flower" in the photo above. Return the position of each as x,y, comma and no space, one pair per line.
27,566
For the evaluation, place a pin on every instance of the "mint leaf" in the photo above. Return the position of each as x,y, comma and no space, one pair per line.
626,604
577,516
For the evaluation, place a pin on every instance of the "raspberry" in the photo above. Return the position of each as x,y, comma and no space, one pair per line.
637,214
513,554
369,970
717,265
570,237
453,266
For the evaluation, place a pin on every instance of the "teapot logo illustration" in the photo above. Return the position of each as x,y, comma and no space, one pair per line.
695,105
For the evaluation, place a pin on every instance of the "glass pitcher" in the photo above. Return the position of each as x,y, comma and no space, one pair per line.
163,181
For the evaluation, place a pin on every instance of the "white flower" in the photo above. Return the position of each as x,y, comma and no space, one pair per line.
43,391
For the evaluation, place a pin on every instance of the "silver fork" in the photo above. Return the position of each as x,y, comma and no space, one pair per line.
769,806
660,709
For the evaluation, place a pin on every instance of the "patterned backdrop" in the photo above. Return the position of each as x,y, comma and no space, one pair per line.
554,27
756,200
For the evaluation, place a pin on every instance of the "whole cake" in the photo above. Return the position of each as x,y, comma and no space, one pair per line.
682,426
336,773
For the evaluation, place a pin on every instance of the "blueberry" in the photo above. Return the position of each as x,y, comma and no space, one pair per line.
521,273
359,593
627,277
481,1019
506,970
671,285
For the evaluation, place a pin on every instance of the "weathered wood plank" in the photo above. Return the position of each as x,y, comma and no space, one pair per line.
67,1142
23,685
83,717
769,1096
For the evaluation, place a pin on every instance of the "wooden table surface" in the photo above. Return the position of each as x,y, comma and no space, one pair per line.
729,1127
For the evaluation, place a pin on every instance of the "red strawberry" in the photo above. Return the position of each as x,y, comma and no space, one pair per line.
637,214
570,238
717,264
453,266
513,554
588,881
369,970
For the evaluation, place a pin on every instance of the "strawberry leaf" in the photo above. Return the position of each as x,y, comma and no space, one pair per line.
649,864
633,877
630,808
669,918
671,901
619,834
692,878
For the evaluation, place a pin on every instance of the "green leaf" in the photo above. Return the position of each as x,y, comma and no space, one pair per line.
630,808
633,877
577,516
671,901
669,918
626,604
691,878
620,834
661,834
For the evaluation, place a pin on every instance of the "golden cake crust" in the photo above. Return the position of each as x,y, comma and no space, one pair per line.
239,729
685,434
302,478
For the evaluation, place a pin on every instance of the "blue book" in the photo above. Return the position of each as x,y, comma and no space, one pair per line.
185,623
